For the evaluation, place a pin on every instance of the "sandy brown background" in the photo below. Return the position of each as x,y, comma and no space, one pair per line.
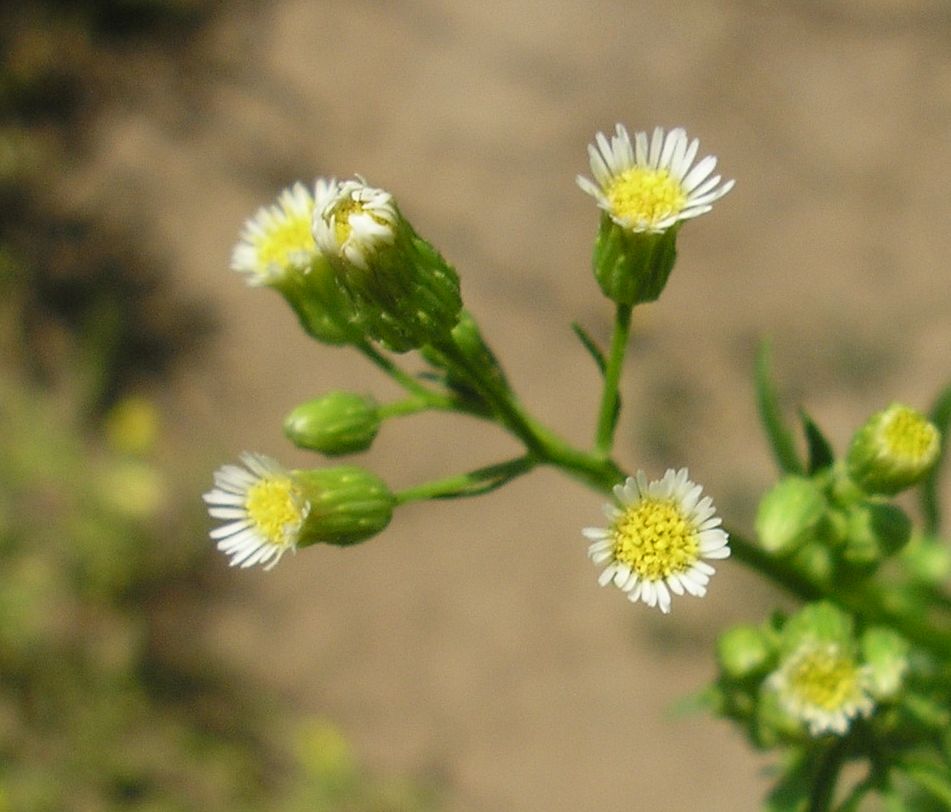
470,641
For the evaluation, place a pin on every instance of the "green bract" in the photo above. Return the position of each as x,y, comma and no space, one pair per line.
347,505
632,267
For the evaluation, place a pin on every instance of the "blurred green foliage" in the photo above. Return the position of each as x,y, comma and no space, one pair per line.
106,699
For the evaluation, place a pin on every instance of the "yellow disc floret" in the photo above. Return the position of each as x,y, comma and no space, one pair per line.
274,506
655,539
645,196
825,678
908,435
284,241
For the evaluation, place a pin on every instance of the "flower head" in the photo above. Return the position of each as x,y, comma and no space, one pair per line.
658,536
895,448
823,686
278,238
264,508
651,185
352,220
403,292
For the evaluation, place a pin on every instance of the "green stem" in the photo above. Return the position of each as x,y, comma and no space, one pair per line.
473,483
404,379
608,414
541,443
779,570
827,776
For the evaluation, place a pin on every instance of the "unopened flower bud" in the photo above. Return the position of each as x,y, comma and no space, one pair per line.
468,339
337,423
886,654
405,294
895,449
789,514
743,651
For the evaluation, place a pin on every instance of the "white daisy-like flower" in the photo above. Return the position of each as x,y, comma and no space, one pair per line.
264,509
353,220
278,238
658,536
648,186
823,686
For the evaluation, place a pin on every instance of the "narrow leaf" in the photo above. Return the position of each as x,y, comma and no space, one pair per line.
590,345
780,439
941,416
820,450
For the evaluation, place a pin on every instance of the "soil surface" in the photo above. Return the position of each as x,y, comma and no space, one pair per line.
470,642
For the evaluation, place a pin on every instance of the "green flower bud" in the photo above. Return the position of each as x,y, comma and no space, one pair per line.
895,449
633,267
821,621
886,654
874,531
468,339
404,293
337,423
743,651
346,505
928,559
789,514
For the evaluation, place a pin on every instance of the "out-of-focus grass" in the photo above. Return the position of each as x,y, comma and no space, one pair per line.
106,699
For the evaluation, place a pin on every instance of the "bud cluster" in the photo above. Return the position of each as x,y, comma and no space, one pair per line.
836,520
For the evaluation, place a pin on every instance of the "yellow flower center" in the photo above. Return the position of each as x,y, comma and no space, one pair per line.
284,241
825,679
647,196
343,211
908,435
274,507
655,539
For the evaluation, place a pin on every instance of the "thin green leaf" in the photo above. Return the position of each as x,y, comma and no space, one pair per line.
941,416
779,436
932,780
590,345
820,450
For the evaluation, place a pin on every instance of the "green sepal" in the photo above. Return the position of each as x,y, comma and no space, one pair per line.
632,268
347,505
767,401
323,309
407,296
